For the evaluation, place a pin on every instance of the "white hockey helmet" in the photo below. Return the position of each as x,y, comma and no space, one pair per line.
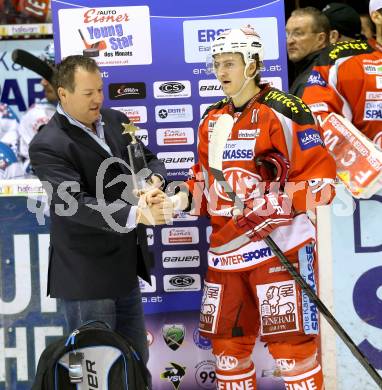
243,40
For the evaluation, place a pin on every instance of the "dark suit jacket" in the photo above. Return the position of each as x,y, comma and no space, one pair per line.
88,258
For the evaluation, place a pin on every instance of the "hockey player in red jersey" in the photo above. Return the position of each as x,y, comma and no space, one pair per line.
246,291
347,80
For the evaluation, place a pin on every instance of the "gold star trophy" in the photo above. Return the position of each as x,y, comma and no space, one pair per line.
136,154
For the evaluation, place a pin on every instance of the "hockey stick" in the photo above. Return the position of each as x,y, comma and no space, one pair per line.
33,63
218,140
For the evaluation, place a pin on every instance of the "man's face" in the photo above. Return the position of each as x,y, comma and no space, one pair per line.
85,102
49,91
229,70
301,40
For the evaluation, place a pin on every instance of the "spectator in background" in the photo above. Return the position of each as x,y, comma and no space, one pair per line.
8,127
345,22
354,87
307,32
10,167
39,113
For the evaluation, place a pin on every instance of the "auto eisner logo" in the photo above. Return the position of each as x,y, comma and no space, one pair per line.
127,91
180,236
177,136
137,114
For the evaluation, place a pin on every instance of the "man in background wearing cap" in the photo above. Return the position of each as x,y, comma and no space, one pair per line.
39,113
347,80
345,22
307,32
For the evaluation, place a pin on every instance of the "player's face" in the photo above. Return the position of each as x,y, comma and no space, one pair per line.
301,40
85,102
229,70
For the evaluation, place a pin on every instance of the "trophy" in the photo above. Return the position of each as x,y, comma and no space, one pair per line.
137,158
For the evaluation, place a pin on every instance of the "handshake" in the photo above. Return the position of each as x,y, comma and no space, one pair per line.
155,207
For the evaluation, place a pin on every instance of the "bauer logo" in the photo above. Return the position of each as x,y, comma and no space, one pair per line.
137,114
177,160
176,136
127,91
172,89
180,236
181,259
145,287
186,282
210,88
143,136
175,113
198,35
150,236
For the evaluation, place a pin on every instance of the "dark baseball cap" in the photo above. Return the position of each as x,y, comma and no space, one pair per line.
344,19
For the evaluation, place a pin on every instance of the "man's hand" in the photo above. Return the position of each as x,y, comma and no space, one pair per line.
154,208
263,215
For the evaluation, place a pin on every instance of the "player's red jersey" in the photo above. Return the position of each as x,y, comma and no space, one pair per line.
347,80
271,121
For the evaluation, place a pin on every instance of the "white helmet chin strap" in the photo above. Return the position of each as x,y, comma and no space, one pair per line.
247,80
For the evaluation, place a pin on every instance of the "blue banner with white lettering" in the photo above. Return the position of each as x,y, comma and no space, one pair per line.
152,55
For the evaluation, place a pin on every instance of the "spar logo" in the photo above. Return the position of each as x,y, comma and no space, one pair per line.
137,114
243,183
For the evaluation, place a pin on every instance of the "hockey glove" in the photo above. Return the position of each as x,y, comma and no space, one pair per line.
264,214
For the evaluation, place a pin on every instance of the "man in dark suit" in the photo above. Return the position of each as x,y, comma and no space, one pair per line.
98,240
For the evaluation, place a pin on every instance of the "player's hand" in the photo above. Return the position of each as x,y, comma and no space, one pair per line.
273,209
262,215
158,212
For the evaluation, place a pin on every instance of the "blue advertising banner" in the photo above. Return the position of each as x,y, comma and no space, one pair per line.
357,279
153,61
